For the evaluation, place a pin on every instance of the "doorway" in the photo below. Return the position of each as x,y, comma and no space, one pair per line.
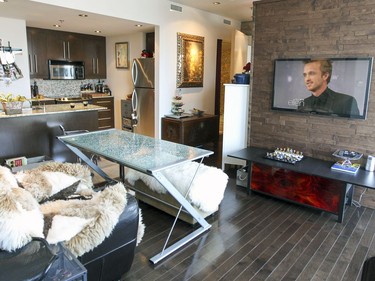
223,76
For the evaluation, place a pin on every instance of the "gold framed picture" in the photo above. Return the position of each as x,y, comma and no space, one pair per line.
122,54
190,60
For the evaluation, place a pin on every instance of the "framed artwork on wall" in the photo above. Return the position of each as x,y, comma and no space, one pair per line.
190,60
122,54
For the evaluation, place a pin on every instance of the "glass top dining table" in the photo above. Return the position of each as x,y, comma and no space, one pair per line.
142,153
147,155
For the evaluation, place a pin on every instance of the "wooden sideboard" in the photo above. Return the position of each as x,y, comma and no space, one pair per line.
198,131
310,182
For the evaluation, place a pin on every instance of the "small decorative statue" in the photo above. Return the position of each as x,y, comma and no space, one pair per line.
177,103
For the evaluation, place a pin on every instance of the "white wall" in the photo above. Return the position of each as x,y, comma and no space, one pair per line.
167,24
240,54
119,80
14,31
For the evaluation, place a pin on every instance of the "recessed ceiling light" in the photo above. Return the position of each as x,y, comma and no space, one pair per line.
59,25
3,1
98,31
216,3
138,25
83,15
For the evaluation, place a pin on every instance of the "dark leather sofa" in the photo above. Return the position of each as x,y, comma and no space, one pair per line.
114,257
107,262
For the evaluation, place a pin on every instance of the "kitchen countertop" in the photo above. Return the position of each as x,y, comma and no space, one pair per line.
52,109
95,95
42,99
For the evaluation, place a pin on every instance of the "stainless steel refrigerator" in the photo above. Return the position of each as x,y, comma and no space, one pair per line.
143,98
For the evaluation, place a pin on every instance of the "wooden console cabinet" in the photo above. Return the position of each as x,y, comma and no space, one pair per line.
197,131
310,182
193,131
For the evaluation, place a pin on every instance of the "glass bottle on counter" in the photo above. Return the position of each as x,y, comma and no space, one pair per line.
35,90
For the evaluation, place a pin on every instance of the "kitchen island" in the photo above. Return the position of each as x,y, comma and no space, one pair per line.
33,133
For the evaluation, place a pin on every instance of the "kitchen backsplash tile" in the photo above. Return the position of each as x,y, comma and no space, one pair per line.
61,88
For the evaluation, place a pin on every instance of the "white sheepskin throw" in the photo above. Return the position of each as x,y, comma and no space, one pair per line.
76,170
7,179
52,177
20,216
80,224
207,189
96,217
141,227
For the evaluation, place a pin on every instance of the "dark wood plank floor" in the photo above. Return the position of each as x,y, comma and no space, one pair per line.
254,237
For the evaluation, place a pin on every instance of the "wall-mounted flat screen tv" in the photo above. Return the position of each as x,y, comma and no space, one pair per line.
348,87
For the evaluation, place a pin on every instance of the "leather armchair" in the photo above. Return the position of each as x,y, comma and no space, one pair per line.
114,257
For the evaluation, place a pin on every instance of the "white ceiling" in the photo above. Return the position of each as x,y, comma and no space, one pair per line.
45,16
241,10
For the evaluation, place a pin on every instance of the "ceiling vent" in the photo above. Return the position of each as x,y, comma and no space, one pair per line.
228,22
176,8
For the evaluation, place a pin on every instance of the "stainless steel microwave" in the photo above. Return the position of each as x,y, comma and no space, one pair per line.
66,70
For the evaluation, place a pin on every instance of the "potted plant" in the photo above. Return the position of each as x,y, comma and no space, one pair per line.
12,104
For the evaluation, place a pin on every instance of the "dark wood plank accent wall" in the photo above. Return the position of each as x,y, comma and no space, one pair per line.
304,28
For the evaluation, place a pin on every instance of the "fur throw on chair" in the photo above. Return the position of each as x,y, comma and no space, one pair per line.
20,216
50,178
207,185
80,224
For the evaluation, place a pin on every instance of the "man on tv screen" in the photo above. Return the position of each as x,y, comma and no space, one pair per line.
317,75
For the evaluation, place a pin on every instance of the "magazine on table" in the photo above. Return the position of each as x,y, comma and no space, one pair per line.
351,168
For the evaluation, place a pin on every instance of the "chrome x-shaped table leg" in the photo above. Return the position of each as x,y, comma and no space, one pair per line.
189,208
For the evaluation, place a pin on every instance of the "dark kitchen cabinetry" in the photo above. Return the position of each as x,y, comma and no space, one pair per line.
150,42
41,102
45,44
106,117
64,46
33,135
37,48
94,57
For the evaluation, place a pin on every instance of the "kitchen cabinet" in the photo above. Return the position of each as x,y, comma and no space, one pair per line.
64,46
40,102
150,42
106,117
45,44
35,133
95,57
37,49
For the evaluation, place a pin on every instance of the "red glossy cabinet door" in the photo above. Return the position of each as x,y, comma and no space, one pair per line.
321,193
